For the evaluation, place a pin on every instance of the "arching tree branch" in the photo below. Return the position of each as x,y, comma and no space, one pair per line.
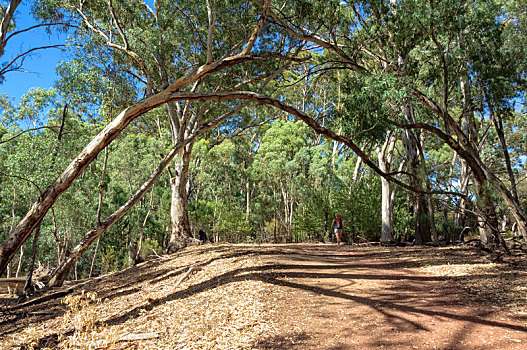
28,130
23,56
247,95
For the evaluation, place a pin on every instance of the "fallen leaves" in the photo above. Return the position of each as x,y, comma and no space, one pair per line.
215,305
215,297
501,285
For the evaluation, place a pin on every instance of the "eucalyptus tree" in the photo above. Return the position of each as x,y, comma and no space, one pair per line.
186,121
5,25
419,45
9,30
317,94
43,135
500,82
60,273
220,208
152,45
282,165
232,162
232,48
385,156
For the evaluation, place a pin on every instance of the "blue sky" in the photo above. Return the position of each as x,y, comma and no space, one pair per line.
39,68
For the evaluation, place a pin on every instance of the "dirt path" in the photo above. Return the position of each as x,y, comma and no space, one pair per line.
301,296
348,298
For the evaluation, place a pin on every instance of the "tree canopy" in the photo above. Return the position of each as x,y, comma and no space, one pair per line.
257,121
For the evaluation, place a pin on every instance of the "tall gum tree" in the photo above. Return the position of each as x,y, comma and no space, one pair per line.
241,51
385,157
426,32
150,46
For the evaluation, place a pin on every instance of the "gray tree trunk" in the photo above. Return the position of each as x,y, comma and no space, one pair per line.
460,215
385,156
487,219
422,227
180,235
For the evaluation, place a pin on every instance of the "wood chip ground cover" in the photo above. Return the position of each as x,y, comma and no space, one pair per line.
305,296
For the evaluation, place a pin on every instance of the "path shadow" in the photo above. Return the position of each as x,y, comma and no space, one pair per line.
384,302
283,278
279,342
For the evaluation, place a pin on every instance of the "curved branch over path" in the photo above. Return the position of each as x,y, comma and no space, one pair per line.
39,209
262,99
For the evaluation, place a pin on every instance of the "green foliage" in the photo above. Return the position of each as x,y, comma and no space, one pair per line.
365,110
150,246
278,181
34,159
360,210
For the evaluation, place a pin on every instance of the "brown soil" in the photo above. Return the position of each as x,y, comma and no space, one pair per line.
305,296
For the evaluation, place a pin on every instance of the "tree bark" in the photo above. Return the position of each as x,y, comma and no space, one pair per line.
422,227
247,198
385,155
498,125
487,219
31,267
356,171
514,200
39,209
460,216
6,20
180,235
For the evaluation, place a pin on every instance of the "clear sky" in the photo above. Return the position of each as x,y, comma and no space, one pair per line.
39,68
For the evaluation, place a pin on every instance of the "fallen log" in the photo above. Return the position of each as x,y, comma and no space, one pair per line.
190,270
47,297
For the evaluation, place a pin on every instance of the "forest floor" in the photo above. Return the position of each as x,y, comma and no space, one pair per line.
294,296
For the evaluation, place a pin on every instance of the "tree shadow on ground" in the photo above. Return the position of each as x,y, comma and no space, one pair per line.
287,341
122,283
283,278
387,302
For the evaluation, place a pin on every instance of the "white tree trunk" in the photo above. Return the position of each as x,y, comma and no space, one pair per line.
385,156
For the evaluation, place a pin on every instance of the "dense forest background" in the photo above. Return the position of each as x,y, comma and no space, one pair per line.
431,95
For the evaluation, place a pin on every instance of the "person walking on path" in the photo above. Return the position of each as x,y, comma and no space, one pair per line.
338,227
